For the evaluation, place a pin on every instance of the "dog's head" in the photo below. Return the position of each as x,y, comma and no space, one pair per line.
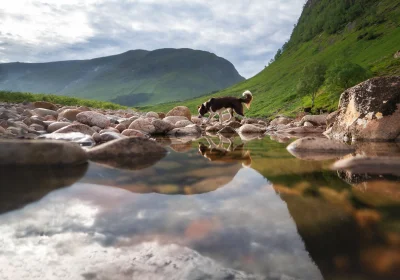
202,110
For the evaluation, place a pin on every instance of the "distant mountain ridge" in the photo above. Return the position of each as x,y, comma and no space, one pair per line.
136,77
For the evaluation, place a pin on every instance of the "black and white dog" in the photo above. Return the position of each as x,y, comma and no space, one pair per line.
218,105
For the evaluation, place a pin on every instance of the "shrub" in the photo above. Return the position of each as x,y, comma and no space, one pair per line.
312,78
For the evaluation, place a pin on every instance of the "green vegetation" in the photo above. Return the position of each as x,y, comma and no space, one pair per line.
344,74
366,33
312,78
136,77
18,97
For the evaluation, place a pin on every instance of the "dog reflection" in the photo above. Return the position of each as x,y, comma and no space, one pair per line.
219,153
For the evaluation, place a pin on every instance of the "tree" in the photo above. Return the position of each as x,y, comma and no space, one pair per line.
312,78
344,74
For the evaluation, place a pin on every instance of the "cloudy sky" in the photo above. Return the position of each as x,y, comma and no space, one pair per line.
246,32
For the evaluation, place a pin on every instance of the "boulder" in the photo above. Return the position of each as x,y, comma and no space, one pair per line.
143,125
331,118
190,130
69,114
174,119
302,130
96,137
280,120
40,152
82,128
93,119
76,137
110,135
128,153
45,112
308,124
133,133
183,123
152,115
180,111
316,120
120,127
110,129
161,126
44,105
250,129
2,130
316,144
214,128
234,124
56,125
369,111
36,127
197,120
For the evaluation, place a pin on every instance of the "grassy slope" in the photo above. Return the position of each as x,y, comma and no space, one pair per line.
274,88
18,97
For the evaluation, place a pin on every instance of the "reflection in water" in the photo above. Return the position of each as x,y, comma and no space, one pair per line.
283,218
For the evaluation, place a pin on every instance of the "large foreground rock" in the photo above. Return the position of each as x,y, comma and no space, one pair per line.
40,152
93,119
128,153
369,111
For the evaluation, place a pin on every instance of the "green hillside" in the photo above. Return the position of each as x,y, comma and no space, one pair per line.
132,78
329,32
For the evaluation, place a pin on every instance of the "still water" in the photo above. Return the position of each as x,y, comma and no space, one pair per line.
246,211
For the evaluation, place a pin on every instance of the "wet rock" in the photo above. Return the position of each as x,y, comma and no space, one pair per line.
82,128
250,129
197,120
249,121
45,112
314,119
44,105
214,128
302,130
96,137
128,153
76,137
174,119
371,165
180,111
69,114
57,125
121,127
378,193
152,115
183,123
308,124
93,119
143,125
110,129
161,126
190,130
234,124
331,118
38,121
369,111
127,122
109,136
280,120
40,152
322,145
133,133
37,127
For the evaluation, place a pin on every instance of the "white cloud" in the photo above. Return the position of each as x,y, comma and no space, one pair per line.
58,30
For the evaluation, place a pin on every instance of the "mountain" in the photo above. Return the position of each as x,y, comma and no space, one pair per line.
330,32
135,77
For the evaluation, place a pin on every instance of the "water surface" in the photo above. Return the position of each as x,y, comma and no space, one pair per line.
251,212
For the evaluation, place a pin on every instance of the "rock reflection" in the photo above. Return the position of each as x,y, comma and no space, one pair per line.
20,185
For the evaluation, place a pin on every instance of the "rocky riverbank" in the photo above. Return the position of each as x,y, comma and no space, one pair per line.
369,111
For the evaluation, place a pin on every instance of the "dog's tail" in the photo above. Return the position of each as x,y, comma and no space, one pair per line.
248,97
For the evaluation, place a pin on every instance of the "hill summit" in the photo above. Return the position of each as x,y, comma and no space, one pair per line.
136,77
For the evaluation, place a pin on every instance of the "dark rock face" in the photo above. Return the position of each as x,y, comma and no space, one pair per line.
369,111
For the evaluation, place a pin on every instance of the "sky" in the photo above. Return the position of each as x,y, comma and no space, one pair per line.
246,32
